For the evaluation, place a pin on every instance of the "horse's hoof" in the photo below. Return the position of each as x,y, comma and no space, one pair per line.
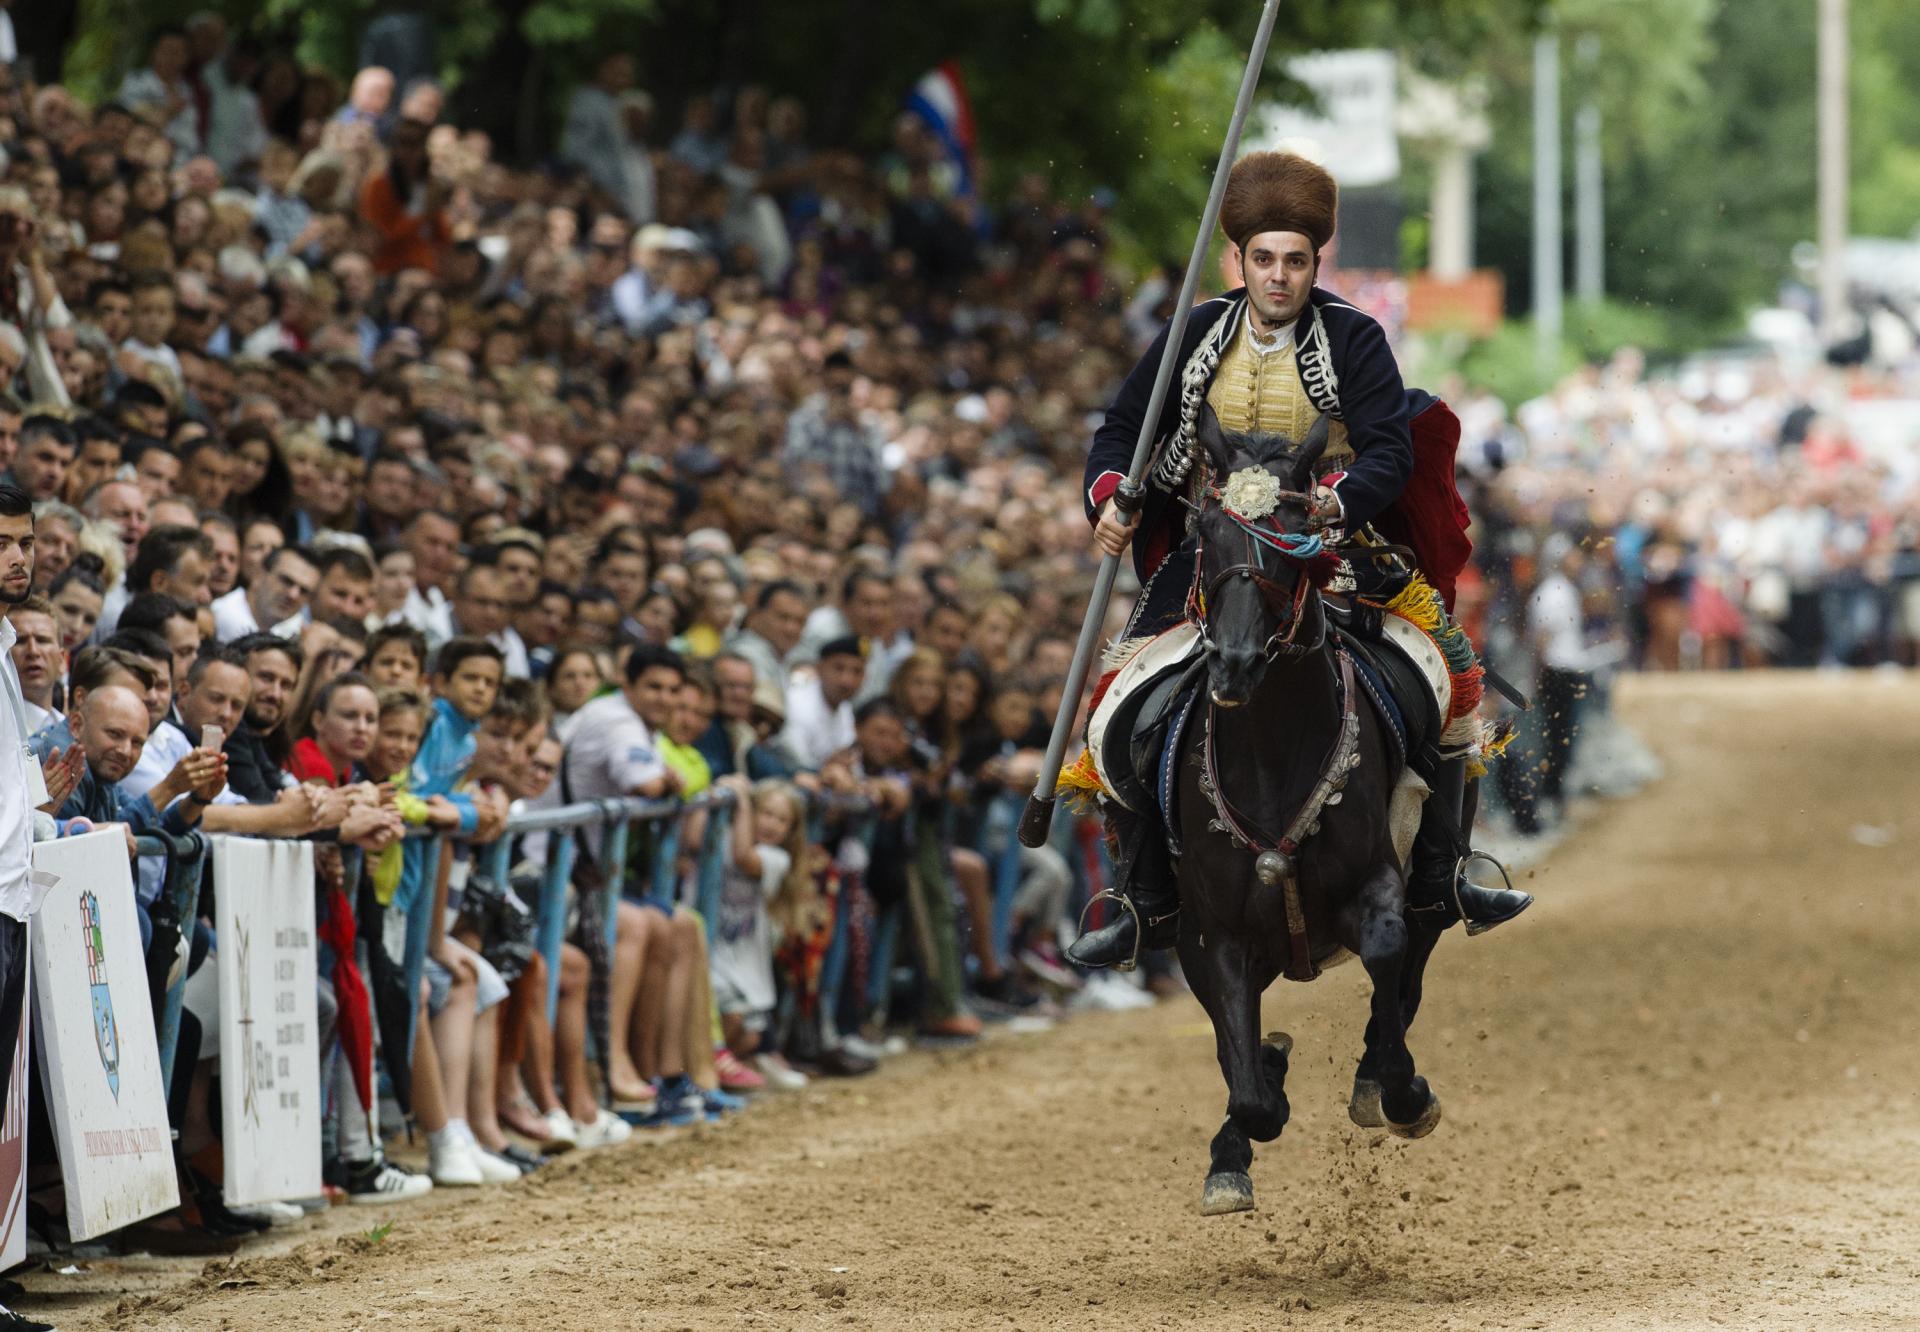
1227,1191
1421,1127
1365,1108
1278,1040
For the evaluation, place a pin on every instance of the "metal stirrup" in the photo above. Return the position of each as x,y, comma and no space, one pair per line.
1460,876
1140,924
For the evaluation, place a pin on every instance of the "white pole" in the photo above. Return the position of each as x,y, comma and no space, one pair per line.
1451,245
1834,323
1589,197
1547,239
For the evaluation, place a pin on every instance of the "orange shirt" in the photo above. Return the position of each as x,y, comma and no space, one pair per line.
407,240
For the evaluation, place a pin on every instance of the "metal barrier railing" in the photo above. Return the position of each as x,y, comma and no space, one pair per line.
616,818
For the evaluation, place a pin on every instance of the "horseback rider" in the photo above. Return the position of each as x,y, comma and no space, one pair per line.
1272,356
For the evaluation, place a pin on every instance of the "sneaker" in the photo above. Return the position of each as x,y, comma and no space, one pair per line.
519,1157
677,1106
1002,998
685,1095
780,1075
371,1183
13,1322
494,1168
1110,992
959,1027
1043,962
273,1213
863,1048
563,1135
734,1075
606,1130
451,1162
722,1102
839,1062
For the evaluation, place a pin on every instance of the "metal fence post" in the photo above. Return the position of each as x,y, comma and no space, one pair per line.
553,914
713,863
666,852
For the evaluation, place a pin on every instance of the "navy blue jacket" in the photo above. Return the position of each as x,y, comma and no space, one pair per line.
1373,402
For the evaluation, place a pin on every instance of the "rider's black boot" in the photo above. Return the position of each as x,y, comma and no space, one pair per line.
1143,889
1435,883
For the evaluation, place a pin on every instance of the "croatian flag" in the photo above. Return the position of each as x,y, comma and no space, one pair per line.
940,99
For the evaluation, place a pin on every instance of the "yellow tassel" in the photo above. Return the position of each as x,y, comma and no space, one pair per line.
1080,782
1418,603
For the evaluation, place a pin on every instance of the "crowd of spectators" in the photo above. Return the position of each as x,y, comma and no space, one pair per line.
427,487
1739,511
382,488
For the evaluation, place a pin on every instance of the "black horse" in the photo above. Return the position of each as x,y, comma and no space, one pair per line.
1287,861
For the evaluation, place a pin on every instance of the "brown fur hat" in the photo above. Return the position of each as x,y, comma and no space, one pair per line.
1279,192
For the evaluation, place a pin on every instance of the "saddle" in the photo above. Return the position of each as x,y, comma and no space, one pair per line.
1135,729
1133,736
1402,674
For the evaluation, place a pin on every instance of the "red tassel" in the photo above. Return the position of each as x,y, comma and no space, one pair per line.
1100,691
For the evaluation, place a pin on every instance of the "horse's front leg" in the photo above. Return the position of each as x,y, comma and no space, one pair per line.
1387,1093
1228,981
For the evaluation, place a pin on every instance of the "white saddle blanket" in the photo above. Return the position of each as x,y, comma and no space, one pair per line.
1140,660
1143,659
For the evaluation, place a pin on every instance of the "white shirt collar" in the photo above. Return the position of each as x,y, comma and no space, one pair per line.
1266,344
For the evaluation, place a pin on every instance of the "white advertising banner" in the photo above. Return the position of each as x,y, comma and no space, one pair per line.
94,1027
13,1130
1352,133
269,1048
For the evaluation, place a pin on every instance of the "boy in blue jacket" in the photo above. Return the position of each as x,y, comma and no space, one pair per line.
466,676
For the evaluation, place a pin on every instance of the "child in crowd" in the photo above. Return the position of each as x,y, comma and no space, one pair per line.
466,678
496,927
768,865
397,657
574,1116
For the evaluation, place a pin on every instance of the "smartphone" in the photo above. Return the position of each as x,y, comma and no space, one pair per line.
211,739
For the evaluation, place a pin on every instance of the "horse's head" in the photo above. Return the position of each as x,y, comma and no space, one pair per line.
1255,548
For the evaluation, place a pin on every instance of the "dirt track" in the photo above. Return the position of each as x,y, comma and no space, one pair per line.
1681,1092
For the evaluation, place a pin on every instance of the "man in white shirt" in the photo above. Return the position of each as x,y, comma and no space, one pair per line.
433,539
161,94
1556,623
612,752
23,782
344,591
820,708
286,584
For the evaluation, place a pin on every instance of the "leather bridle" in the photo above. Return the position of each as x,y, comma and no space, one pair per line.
1261,538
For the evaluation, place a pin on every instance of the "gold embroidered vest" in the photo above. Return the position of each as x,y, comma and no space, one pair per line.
1254,392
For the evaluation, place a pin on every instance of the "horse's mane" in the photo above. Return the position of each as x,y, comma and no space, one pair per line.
1264,446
